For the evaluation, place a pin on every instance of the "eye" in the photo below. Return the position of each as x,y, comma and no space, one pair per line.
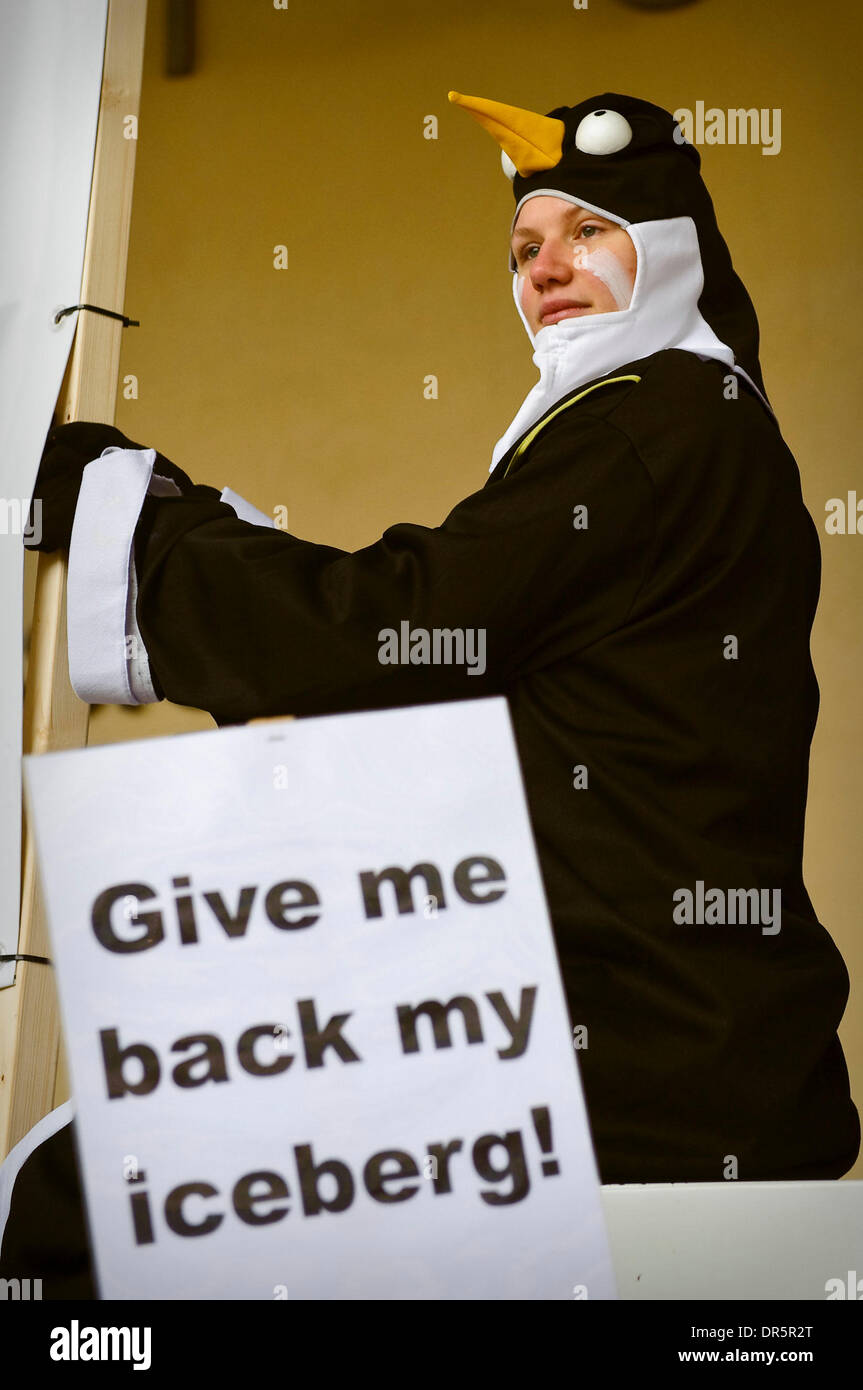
603,132
588,227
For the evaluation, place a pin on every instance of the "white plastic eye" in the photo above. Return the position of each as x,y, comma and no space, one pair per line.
603,132
507,165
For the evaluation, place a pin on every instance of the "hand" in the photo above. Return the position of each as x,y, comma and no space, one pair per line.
68,450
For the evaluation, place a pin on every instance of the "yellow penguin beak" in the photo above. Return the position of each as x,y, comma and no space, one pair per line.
532,142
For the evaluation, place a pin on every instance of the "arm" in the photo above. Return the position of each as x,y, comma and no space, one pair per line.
107,658
245,621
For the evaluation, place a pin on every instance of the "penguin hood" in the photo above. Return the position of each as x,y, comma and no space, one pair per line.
627,161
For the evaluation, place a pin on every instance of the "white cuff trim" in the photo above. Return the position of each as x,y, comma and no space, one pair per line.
108,663
107,659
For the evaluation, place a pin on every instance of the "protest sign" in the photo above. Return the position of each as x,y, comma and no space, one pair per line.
318,1039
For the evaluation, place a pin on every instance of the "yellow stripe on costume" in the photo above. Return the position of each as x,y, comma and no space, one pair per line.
529,438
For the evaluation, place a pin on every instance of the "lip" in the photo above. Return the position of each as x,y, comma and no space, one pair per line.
557,309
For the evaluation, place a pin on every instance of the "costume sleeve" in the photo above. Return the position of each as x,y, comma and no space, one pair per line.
108,662
247,622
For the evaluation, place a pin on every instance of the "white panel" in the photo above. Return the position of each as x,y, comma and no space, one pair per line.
51,55
734,1240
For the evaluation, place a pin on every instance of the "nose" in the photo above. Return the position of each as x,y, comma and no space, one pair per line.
551,265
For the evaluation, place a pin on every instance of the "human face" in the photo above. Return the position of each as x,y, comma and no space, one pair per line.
570,262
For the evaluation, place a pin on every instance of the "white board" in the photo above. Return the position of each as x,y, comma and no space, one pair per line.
50,81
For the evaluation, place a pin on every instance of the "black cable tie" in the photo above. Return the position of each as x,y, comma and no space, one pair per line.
38,960
94,308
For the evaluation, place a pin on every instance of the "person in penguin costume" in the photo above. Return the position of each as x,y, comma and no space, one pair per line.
626,162
646,573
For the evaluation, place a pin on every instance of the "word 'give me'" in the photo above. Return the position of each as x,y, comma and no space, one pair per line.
120,925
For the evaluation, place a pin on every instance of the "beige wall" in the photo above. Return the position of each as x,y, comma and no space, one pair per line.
304,387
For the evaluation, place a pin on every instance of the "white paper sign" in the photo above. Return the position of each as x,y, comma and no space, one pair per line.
300,1070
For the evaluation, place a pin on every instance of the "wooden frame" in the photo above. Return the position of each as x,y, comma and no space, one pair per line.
33,1069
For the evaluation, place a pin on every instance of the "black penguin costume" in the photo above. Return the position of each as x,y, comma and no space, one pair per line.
655,658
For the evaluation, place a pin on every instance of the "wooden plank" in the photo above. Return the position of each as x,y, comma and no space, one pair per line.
32,1073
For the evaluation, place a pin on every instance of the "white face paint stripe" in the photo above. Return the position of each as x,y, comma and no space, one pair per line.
606,267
